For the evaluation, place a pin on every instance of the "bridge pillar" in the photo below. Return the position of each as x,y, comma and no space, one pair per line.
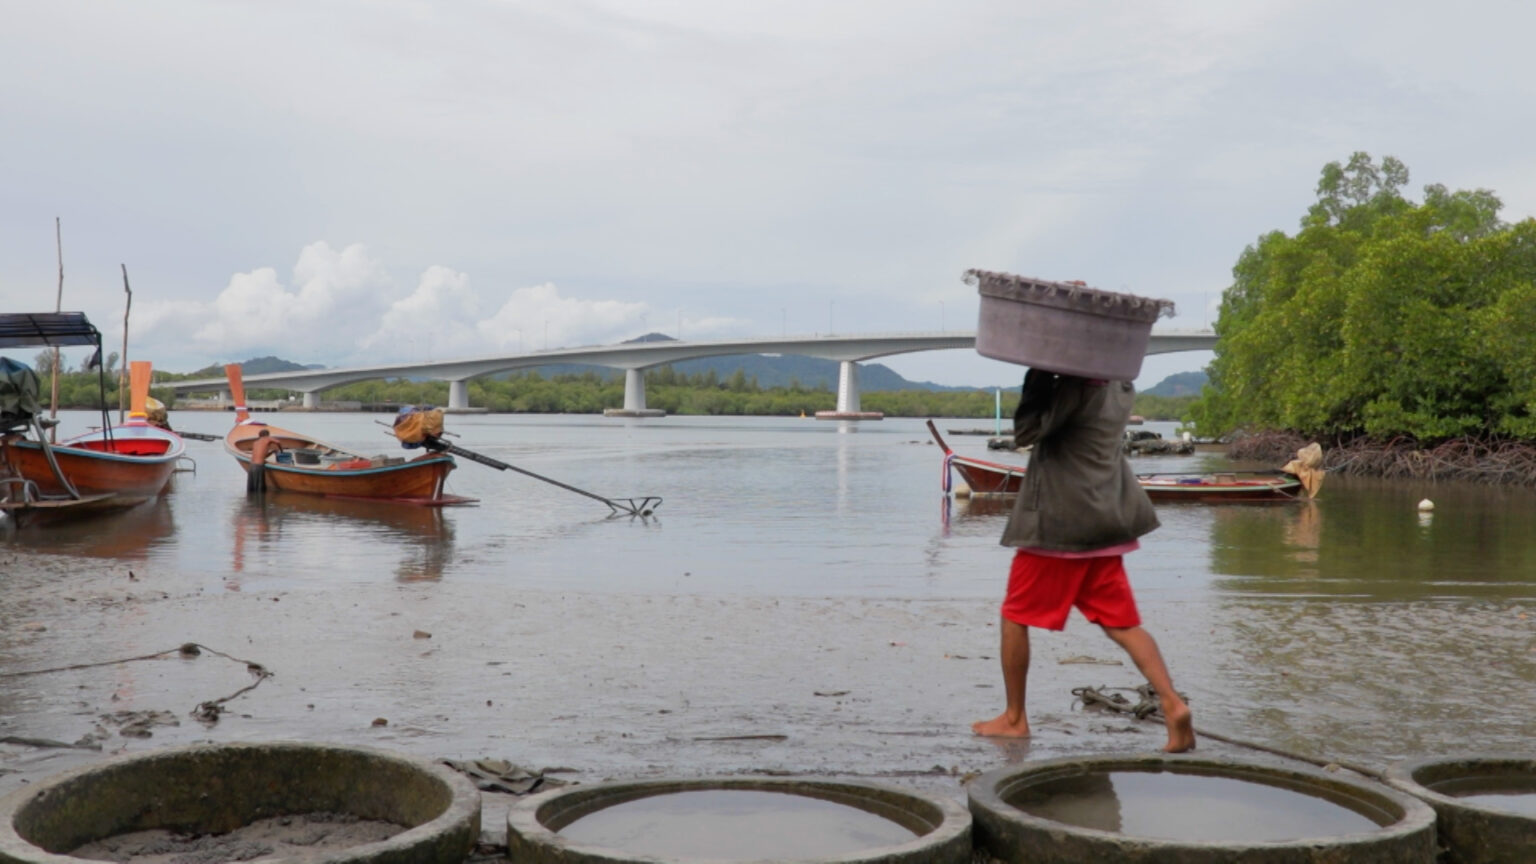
458,394
848,387
848,396
312,400
634,390
634,398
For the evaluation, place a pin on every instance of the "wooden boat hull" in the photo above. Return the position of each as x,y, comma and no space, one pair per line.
981,476
134,463
416,481
411,481
987,478
1212,489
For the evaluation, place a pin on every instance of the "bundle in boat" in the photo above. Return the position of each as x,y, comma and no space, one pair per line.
1064,327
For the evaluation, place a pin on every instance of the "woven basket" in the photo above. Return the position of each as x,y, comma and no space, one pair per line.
1064,327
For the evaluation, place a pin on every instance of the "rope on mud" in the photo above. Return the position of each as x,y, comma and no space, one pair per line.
207,712
1147,708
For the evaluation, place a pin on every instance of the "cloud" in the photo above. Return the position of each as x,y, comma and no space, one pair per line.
440,313
538,317
342,307
335,301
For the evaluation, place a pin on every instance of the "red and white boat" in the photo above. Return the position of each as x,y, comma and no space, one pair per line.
112,467
981,476
986,478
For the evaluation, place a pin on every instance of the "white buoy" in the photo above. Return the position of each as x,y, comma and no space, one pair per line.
1426,505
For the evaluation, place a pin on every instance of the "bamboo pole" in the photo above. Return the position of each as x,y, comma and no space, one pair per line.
122,363
58,306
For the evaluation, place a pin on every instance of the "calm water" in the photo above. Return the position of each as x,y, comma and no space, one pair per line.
736,825
1511,793
803,582
1188,807
778,507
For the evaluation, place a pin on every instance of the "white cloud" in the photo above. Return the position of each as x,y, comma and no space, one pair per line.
434,321
538,317
336,299
342,308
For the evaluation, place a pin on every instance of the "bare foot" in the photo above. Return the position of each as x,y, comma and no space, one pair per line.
1181,728
1002,727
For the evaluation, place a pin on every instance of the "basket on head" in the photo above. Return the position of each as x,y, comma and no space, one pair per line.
1064,327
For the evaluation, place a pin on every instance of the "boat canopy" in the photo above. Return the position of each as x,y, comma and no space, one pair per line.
27,329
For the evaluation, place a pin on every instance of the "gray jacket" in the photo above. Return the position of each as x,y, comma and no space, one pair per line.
1079,493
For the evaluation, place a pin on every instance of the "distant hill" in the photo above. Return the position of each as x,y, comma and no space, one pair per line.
1180,384
256,366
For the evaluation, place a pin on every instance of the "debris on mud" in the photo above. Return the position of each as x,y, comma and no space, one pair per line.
499,775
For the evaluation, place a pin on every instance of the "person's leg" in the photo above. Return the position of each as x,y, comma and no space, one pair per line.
1014,658
1040,592
1142,648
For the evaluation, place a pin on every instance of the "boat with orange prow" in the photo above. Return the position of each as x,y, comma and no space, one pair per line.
307,465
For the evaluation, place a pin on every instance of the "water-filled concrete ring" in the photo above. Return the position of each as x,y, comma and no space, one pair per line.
1009,834
1470,832
214,789
943,826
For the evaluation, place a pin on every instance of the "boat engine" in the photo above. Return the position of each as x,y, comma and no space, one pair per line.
419,427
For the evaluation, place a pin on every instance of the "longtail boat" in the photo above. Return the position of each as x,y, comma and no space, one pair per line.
310,466
1222,487
111,467
996,479
981,476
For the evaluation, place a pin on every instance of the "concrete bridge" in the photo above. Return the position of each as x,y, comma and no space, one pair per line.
635,357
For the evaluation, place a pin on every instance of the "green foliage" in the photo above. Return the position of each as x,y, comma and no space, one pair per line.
1380,318
1154,407
83,389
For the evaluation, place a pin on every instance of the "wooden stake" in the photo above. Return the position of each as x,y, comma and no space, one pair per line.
123,361
58,306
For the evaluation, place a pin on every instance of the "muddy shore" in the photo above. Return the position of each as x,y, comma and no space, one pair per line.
583,686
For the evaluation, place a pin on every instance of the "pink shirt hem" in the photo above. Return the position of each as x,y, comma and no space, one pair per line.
1106,552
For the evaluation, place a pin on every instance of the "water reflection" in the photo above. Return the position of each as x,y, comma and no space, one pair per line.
128,534
1192,807
1303,534
264,525
1368,537
981,506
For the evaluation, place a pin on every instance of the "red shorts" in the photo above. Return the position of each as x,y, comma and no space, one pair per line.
1042,591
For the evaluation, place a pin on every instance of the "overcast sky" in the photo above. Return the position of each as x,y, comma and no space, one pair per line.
368,181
